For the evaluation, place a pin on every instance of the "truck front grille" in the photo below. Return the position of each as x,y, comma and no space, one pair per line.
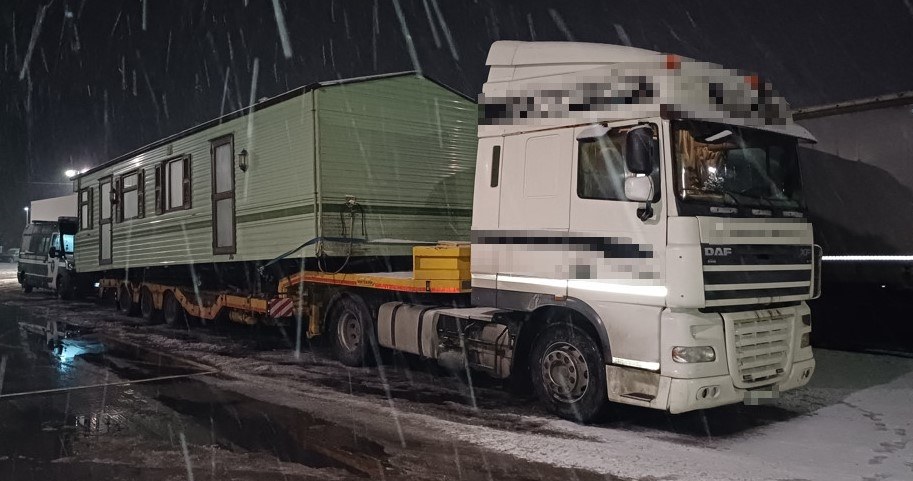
756,274
758,346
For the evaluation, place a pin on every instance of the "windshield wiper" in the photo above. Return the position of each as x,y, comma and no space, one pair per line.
731,196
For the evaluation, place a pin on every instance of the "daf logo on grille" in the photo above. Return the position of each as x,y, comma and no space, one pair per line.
717,251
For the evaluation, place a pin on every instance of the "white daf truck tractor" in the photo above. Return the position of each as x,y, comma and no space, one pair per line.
638,234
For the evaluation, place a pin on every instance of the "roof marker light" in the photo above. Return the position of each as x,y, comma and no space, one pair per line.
673,62
753,81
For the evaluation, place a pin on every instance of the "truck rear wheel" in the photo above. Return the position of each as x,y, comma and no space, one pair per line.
568,373
125,302
66,289
23,281
351,328
173,311
147,306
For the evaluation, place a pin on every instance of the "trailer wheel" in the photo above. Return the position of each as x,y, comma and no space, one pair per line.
173,311
147,306
26,287
351,328
125,302
568,373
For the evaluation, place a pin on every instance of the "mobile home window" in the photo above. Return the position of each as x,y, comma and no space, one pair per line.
601,167
104,198
85,208
131,196
173,184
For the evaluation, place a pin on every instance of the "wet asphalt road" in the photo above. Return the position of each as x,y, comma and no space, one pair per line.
117,399
96,407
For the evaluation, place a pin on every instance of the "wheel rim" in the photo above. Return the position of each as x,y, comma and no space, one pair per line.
349,331
565,372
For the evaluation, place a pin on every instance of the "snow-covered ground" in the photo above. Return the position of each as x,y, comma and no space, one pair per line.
852,422
856,422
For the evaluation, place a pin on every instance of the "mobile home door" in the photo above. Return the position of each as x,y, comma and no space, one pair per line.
104,221
223,195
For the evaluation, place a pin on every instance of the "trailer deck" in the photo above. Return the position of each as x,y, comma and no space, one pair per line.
439,269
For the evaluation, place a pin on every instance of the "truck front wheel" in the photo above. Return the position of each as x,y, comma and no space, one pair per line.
568,373
351,328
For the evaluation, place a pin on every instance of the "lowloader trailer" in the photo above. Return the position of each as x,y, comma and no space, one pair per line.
638,233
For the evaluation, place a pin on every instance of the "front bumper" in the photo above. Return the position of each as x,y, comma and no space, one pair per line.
702,393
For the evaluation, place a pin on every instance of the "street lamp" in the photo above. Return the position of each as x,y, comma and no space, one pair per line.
26,209
70,173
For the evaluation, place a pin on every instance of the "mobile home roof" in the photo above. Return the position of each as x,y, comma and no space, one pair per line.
262,105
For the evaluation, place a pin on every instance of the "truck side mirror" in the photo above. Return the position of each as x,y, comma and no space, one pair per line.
52,252
640,150
639,189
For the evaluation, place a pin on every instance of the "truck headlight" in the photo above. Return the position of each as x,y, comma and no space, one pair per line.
806,340
687,354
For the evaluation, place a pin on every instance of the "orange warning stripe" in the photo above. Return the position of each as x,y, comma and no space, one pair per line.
381,281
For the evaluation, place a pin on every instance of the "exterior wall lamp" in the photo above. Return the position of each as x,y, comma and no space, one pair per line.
242,160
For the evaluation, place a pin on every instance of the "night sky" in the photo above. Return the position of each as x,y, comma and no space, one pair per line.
104,77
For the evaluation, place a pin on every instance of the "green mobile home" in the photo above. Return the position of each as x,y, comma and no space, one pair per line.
386,157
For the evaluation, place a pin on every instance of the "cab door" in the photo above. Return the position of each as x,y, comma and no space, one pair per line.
34,261
621,273
51,260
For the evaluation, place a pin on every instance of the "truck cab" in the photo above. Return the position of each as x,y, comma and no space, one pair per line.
645,211
46,257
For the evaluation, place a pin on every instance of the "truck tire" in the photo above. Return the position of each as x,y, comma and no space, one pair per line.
66,290
568,373
125,303
21,277
173,311
147,306
351,330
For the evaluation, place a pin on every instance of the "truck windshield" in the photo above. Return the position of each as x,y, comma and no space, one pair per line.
724,164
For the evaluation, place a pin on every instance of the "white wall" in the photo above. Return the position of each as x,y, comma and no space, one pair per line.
51,209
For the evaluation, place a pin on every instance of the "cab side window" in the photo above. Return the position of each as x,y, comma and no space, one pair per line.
40,244
601,168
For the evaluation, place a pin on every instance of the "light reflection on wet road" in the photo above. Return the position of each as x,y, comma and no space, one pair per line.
65,399
98,407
